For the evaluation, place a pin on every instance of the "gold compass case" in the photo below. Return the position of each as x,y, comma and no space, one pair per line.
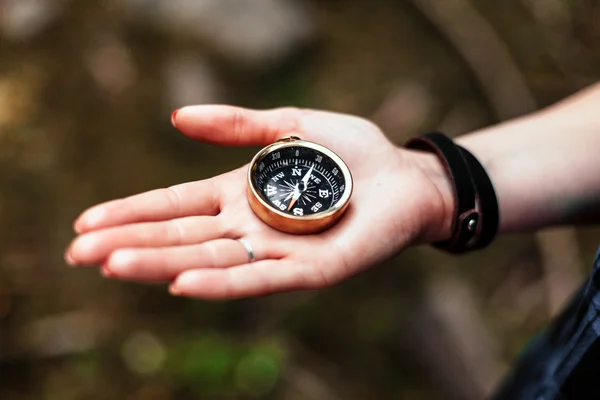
328,180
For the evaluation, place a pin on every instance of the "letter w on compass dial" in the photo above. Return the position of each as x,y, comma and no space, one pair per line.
299,181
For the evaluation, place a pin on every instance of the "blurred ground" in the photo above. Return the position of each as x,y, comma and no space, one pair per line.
86,92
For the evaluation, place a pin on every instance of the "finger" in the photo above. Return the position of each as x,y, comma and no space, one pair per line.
235,126
164,264
255,279
195,198
94,247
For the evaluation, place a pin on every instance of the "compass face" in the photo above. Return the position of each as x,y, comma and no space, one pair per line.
299,181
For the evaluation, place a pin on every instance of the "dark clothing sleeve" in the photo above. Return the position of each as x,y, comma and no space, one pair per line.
562,362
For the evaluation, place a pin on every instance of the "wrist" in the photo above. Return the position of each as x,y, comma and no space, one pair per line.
475,215
438,209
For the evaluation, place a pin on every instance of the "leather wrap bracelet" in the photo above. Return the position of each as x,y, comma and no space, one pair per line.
476,218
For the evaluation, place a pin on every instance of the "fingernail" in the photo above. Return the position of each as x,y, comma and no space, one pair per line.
70,260
173,117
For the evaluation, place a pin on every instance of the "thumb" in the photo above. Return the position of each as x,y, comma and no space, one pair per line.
236,126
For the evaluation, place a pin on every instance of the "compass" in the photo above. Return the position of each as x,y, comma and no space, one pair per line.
297,186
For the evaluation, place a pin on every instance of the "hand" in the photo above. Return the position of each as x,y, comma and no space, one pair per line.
183,234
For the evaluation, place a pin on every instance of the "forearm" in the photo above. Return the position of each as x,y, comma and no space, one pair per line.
545,167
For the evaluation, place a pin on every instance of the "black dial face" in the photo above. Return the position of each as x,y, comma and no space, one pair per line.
299,181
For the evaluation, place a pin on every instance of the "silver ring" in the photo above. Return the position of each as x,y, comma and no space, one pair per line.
248,248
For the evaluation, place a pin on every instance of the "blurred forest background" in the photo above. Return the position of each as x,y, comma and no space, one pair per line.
86,92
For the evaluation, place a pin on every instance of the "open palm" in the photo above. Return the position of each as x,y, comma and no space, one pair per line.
183,234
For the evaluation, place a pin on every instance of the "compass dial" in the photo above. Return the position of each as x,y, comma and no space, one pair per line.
300,181
298,186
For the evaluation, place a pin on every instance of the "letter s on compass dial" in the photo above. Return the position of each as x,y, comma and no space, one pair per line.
297,186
